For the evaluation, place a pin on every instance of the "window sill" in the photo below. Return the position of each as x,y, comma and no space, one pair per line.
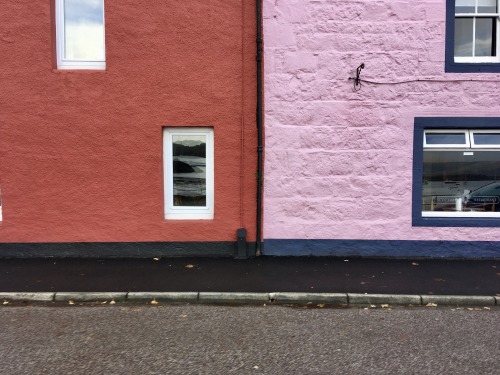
469,67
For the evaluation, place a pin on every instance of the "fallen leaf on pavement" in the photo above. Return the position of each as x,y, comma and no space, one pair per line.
5,302
154,302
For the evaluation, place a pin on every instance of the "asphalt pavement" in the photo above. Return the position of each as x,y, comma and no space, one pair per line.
206,339
262,274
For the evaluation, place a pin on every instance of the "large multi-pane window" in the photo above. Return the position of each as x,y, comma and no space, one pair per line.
476,29
80,34
457,172
472,35
189,173
461,173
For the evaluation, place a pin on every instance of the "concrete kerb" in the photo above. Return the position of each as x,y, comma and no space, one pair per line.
339,299
162,297
89,297
26,297
390,299
318,298
459,300
214,297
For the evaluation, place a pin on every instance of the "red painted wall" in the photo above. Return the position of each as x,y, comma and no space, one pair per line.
81,151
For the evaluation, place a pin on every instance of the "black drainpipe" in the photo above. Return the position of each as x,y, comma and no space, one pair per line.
259,126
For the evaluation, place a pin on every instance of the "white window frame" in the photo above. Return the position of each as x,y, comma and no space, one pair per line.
70,64
475,16
187,212
470,145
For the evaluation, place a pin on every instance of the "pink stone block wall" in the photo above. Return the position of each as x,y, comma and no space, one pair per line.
338,162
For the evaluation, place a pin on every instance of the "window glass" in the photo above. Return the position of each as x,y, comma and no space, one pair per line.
464,36
446,138
189,170
461,181
84,30
492,139
465,6
485,30
487,6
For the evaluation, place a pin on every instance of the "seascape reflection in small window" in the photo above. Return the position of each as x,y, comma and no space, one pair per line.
189,173
189,170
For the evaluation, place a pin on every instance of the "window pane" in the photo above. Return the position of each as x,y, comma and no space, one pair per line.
487,6
458,181
465,6
84,30
484,37
189,170
487,139
445,138
463,36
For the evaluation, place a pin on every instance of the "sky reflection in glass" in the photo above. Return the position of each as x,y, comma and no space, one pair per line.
84,30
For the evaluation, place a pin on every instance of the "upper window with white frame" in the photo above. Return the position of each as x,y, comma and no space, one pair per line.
456,174
188,157
80,34
472,33
476,30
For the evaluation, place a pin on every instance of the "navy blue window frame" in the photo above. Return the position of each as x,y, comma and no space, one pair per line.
426,123
450,65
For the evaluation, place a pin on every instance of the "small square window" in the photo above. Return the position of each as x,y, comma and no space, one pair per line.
472,36
456,172
188,159
80,34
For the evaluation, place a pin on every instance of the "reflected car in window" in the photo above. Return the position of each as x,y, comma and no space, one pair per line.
486,198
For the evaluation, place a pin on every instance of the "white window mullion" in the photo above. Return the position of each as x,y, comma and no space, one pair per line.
474,35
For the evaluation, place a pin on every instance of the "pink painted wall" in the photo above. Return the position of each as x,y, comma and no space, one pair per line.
338,162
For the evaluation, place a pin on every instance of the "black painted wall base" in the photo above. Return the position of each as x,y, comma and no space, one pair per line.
123,249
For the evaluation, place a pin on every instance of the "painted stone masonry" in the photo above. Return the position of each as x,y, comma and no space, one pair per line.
341,164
